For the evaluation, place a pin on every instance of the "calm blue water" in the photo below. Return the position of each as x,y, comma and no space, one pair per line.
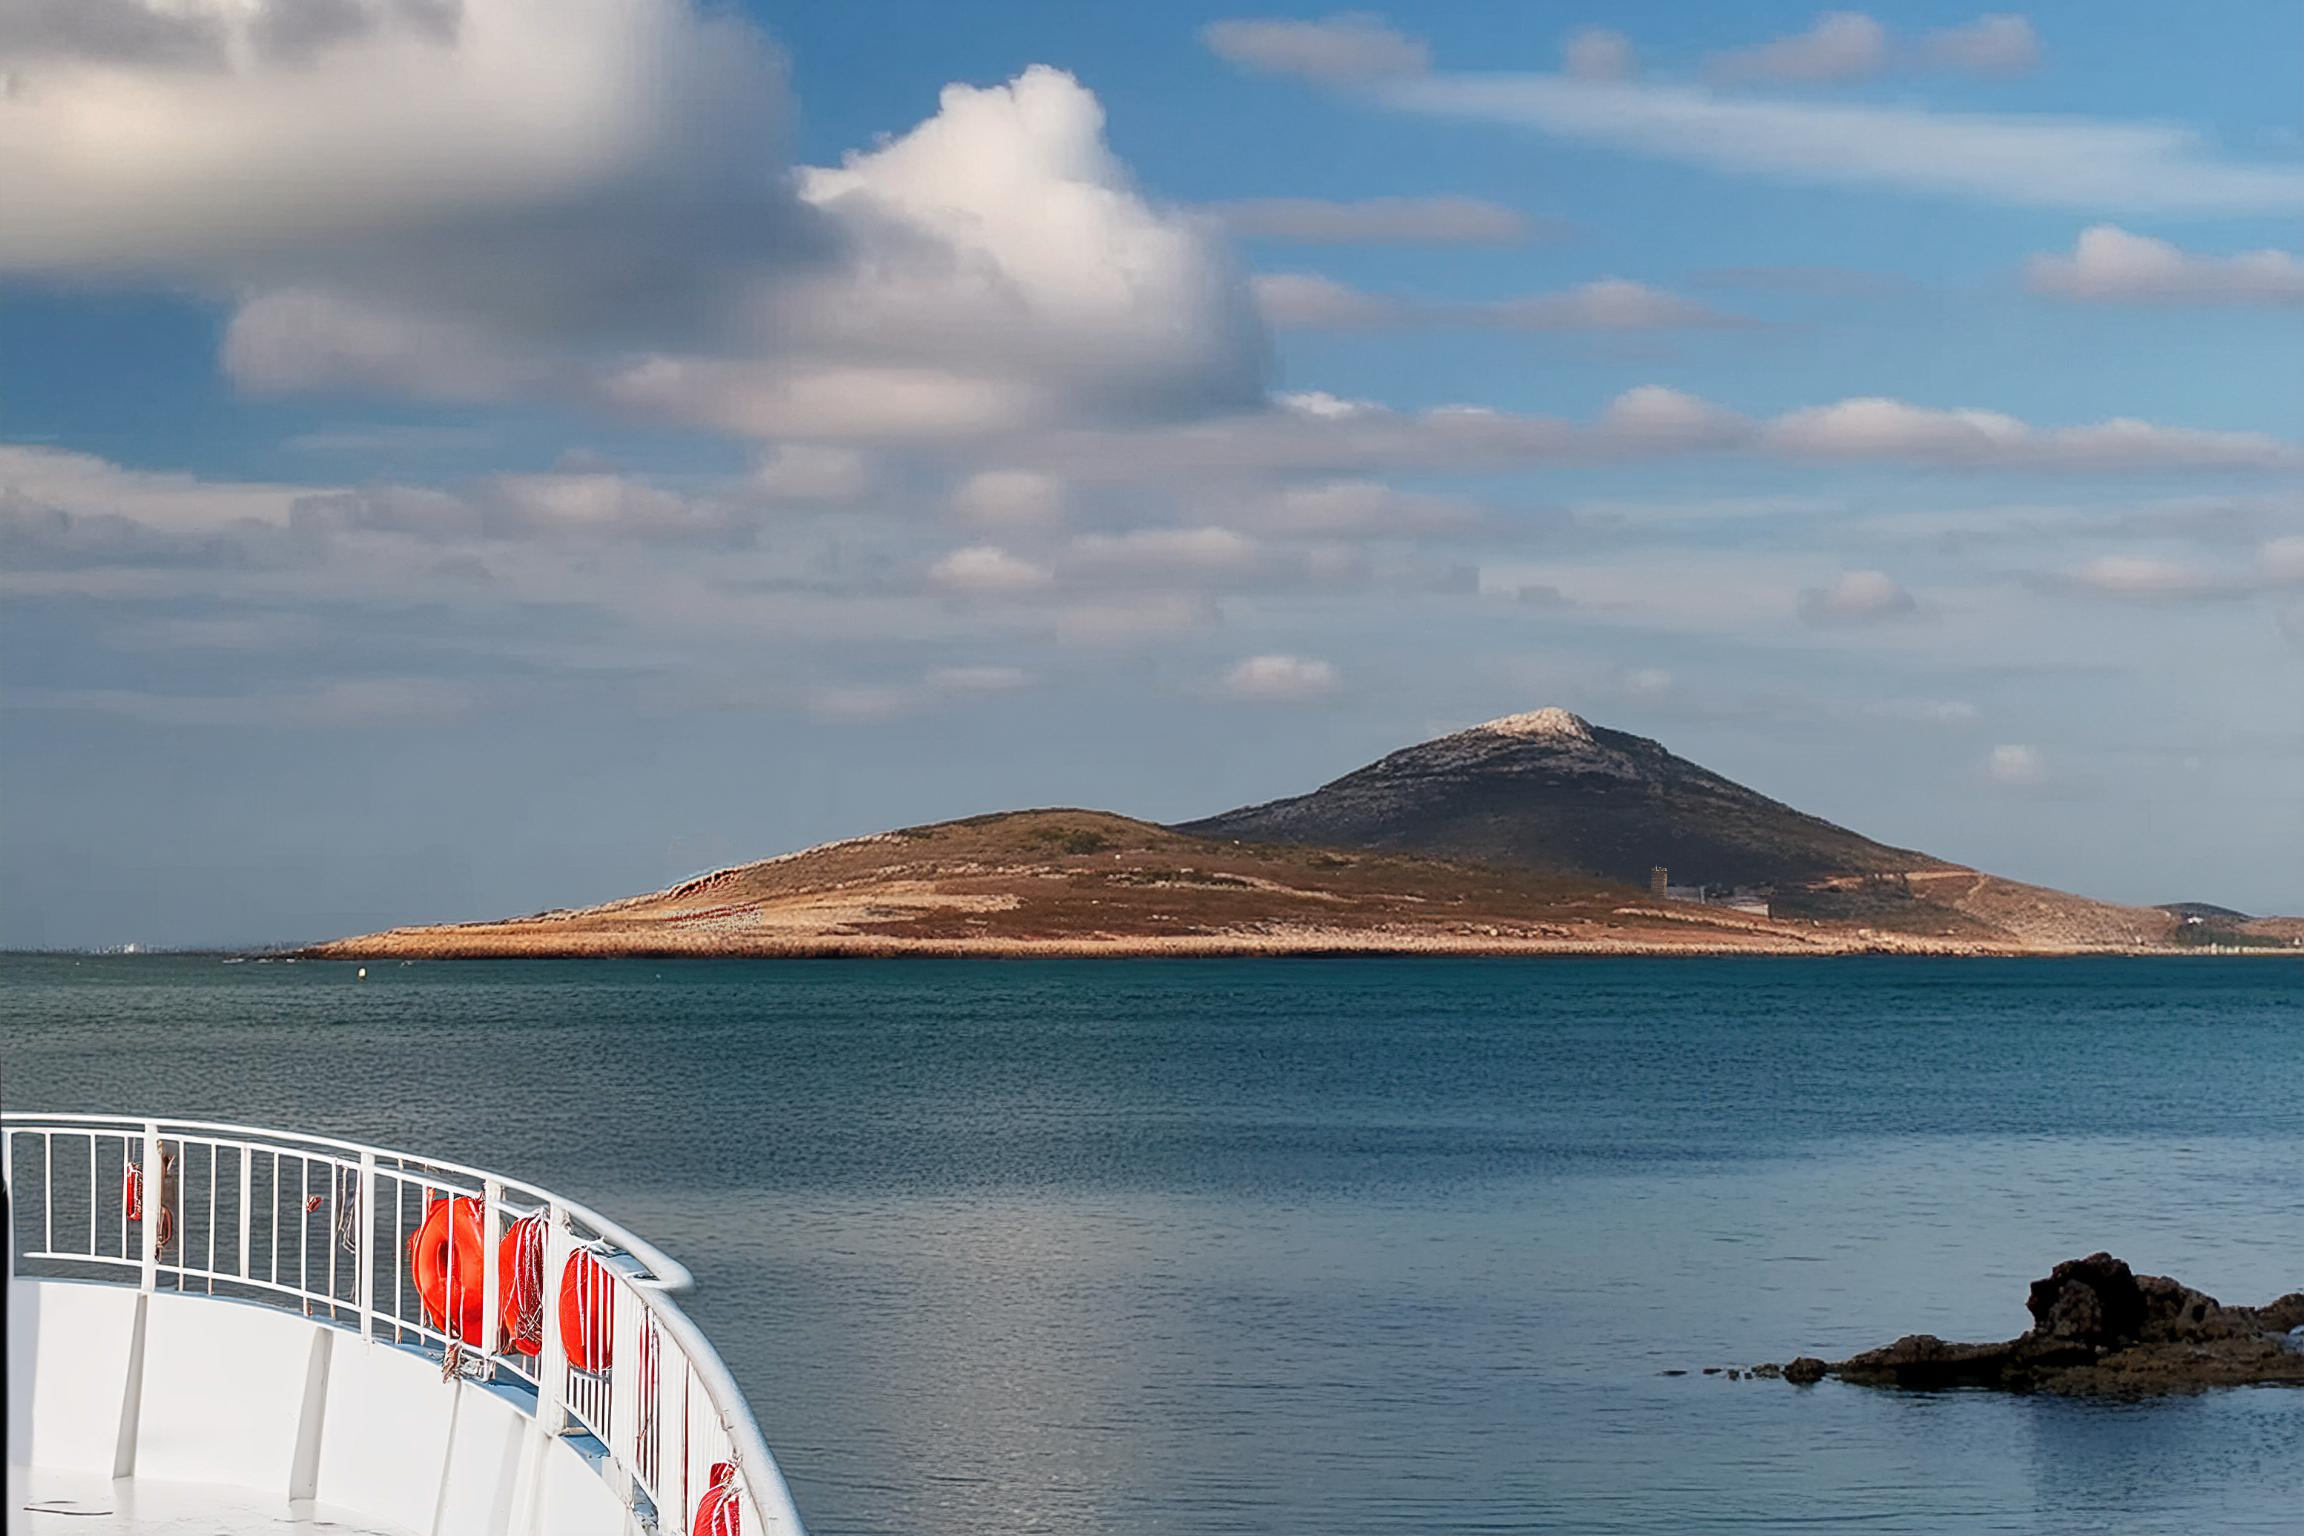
1336,1247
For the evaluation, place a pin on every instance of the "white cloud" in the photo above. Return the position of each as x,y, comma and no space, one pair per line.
2094,164
978,679
2140,576
1647,681
2017,764
1131,620
588,203
164,501
1598,53
1010,498
1378,221
397,130
812,472
1882,429
1346,48
1278,678
1302,301
1857,597
1653,418
1366,508
1157,554
2110,264
988,570
1305,301
2282,560
1319,434
1841,45
1989,45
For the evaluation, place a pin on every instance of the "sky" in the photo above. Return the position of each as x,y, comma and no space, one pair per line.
463,457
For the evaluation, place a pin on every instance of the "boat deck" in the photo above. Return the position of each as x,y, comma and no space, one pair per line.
47,1503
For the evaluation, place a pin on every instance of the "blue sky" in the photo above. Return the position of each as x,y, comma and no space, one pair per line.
436,483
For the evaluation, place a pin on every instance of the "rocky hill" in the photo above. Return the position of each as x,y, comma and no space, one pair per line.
1088,882
1528,834
1549,790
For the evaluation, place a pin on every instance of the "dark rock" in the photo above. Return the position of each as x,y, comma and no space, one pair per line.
1671,1373
2094,1300
2100,1328
1806,1369
1767,1372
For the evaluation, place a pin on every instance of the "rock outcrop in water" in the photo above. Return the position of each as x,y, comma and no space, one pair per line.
2100,1329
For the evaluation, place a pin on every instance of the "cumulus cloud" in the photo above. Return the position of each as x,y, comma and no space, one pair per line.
1379,221
587,201
2139,576
383,134
1840,45
1362,508
2108,264
1010,498
2017,765
1276,678
2095,164
1301,301
1163,554
1347,48
1598,53
812,472
1989,45
987,570
1320,434
1857,597
1895,430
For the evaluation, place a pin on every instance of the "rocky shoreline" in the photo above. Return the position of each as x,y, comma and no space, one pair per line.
2098,1330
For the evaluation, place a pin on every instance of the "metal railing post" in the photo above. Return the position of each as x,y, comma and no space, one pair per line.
364,1245
552,1358
671,1439
247,1204
155,1198
626,1321
491,1280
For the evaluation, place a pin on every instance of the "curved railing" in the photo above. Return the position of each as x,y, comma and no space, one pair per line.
325,1225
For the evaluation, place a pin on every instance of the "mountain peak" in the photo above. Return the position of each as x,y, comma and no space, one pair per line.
1548,790
1551,721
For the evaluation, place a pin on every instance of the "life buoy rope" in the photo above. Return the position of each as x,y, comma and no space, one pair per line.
717,1513
446,1255
587,1307
520,1263
132,1196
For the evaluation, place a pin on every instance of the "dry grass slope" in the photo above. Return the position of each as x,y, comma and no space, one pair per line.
1051,882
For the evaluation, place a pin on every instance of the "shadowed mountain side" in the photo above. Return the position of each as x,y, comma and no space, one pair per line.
1548,790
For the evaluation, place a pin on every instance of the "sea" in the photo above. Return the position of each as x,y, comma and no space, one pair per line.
1335,1247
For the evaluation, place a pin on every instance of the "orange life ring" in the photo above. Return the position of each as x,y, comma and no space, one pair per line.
520,1268
717,1513
132,1196
587,1302
456,1222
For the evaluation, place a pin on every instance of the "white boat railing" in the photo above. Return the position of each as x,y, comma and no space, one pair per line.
327,1226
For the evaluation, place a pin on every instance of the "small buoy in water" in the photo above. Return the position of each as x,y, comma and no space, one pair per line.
363,973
